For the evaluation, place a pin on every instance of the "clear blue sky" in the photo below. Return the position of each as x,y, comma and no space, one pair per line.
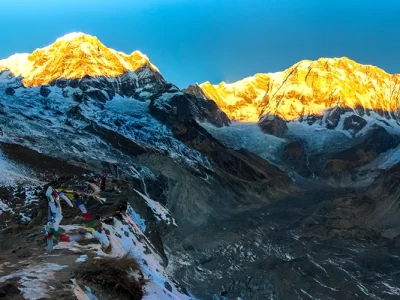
197,40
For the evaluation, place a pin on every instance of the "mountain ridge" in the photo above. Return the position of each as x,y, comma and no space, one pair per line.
73,56
304,91
308,88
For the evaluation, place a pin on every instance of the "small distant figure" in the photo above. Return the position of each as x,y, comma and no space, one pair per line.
103,181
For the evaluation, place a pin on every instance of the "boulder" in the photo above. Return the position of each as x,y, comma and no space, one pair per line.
78,97
61,83
168,286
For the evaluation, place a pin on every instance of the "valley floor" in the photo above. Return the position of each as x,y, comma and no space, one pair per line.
312,245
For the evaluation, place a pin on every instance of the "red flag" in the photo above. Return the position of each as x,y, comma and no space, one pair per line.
87,216
64,238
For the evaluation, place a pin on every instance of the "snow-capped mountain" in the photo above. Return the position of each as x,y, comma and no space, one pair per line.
313,91
81,61
211,207
73,56
326,108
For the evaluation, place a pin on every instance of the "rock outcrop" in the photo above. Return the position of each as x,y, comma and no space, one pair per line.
272,124
10,91
195,90
354,123
295,155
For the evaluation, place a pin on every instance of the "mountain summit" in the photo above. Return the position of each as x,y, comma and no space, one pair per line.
73,56
309,89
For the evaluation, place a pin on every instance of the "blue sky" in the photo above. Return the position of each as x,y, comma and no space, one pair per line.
197,40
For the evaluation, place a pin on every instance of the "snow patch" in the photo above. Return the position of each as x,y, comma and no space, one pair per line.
82,258
130,107
316,137
160,212
24,218
136,218
34,279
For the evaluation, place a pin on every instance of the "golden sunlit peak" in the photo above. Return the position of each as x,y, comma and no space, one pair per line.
73,36
72,56
308,88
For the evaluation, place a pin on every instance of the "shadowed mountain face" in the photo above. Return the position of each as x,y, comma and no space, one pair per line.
139,84
347,159
301,204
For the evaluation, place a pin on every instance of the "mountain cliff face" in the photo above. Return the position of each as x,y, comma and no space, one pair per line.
310,90
239,100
